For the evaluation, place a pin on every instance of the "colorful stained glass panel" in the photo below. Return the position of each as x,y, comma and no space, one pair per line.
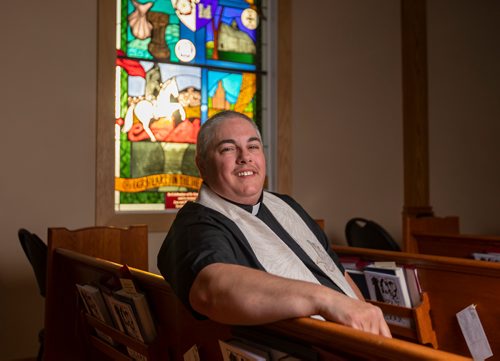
178,62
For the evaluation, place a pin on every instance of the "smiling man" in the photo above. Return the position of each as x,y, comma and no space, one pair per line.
240,255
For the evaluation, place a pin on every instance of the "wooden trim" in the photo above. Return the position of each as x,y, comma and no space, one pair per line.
105,111
284,121
415,117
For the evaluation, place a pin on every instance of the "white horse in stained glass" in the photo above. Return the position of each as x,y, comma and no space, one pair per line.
145,111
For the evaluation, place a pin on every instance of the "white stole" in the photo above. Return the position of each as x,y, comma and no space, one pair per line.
274,255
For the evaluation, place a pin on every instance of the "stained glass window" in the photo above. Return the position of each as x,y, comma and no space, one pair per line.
178,62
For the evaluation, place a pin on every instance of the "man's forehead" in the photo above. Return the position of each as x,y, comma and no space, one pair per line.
233,128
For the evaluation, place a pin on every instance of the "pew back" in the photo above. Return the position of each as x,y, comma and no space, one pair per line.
455,245
451,284
307,338
125,245
435,225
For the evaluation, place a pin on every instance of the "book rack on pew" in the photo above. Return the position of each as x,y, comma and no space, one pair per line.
150,351
71,333
421,330
451,284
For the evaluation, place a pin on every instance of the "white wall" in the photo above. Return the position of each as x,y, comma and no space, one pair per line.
346,114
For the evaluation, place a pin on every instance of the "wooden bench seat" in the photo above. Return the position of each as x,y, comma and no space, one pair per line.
67,336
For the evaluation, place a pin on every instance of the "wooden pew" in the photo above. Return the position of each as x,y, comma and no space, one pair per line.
441,236
455,245
68,337
452,284
118,244
411,225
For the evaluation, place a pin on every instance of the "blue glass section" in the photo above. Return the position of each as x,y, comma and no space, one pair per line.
235,3
200,46
164,6
231,82
204,95
231,65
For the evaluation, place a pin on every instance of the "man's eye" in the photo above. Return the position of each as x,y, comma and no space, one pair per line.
254,146
226,149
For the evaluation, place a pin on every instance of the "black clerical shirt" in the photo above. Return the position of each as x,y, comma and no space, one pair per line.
201,236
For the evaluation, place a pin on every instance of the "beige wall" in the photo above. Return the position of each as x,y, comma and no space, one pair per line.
47,97
346,115
347,112
464,110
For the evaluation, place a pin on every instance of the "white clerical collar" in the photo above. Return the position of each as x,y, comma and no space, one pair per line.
247,207
255,209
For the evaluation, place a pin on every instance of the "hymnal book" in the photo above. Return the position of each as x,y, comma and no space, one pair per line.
389,286
126,315
234,350
360,280
95,306
137,356
414,288
108,298
192,354
488,256
142,312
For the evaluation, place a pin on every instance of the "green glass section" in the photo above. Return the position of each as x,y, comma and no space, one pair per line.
139,49
237,57
123,30
123,93
142,198
124,156
172,35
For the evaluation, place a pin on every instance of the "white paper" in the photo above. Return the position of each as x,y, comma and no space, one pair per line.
473,332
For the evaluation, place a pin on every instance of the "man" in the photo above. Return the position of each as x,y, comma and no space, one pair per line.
239,255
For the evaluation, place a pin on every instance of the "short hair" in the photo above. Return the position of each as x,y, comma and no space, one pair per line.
207,130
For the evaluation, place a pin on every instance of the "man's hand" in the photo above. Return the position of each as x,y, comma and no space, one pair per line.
354,313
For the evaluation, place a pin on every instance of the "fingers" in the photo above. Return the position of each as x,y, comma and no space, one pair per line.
361,316
378,324
370,318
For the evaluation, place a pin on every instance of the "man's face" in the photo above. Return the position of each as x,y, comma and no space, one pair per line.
235,167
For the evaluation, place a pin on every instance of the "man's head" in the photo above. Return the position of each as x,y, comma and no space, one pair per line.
230,157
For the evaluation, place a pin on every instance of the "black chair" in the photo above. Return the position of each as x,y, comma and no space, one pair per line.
364,233
36,250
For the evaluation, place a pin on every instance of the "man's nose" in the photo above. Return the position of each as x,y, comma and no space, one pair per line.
244,156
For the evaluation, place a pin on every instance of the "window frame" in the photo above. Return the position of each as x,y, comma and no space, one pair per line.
280,129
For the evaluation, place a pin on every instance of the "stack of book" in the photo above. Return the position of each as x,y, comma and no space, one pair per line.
386,282
125,309
487,256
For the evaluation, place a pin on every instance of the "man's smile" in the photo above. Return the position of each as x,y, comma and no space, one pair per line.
245,173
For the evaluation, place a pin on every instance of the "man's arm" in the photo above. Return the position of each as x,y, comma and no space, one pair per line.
236,294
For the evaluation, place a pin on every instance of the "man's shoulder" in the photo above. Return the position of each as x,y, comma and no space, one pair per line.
288,199
193,208
192,213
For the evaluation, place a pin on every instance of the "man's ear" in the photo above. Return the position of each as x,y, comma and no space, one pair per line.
199,165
